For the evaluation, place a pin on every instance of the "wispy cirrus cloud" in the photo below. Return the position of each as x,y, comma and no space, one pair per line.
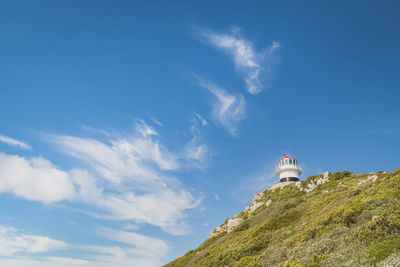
14,142
201,119
196,151
129,178
228,109
136,171
132,250
253,65
145,246
14,243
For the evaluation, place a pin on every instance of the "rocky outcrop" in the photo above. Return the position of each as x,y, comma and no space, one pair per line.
369,178
217,231
280,185
320,181
255,205
232,224
257,202
228,227
235,222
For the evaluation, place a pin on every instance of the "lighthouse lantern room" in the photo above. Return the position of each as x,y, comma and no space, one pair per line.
288,169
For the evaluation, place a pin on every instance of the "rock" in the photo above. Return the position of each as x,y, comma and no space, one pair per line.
311,186
219,230
232,224
216,232
255,206
257,196
298,185
372,178
228,227
324,179
252,208
369,178
320,181
280,185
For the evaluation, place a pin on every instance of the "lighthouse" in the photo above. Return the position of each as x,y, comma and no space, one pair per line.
288,169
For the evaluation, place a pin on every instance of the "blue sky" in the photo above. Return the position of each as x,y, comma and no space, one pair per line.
129,130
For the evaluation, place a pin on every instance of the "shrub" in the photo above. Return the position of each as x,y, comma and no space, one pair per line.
243,226
382,250
339,175
386,224
252,261
292,263
316,259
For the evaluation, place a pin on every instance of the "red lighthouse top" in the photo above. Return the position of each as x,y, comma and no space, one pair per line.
286,157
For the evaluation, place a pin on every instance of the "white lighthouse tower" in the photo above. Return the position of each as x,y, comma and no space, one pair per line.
288,169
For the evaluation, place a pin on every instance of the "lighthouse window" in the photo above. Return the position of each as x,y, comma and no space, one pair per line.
290,161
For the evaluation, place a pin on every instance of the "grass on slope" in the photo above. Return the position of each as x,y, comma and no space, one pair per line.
340,223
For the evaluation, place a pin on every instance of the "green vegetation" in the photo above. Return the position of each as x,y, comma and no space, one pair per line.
352,220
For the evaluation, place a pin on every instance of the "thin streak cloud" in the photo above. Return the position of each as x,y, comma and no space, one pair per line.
256,67
14,142
228,110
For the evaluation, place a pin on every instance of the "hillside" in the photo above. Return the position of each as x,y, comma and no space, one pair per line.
333,219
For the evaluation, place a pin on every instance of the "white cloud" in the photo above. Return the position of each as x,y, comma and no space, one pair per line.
136,250
136,172
251,64
228,110
201,119
145,246
127,179
196,151
163,208
14,142
34,179
144,130
156,121
14,243
114,257
94,130
122,159
85,185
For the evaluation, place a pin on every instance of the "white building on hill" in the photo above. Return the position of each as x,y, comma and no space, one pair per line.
288,169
